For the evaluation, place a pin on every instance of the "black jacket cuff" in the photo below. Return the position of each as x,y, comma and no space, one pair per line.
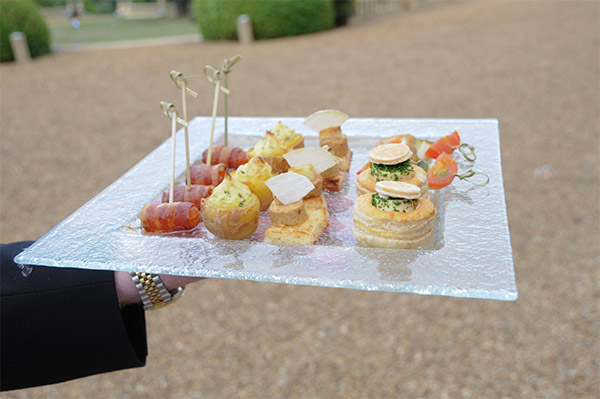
62,323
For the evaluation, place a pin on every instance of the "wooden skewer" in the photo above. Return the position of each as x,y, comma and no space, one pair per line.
227,65
181,83
187,138
170,110
173,117
215,79
214,117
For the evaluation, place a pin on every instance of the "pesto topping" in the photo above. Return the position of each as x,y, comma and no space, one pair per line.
399,172
393,204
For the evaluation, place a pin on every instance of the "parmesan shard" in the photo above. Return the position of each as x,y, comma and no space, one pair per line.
324,119
319,157
289,187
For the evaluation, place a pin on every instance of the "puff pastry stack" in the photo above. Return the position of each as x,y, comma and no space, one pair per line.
396,216
391,162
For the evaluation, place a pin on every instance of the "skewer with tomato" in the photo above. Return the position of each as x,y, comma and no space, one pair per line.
448,144
445,169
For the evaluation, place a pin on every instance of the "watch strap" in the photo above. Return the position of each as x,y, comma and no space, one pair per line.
153,292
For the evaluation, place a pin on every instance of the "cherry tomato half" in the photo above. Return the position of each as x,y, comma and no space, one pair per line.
442,172
445,144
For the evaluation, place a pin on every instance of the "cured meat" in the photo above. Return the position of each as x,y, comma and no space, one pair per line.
194,193
230,156
205,175
166,218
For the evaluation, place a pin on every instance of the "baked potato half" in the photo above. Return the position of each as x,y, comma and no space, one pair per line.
231,211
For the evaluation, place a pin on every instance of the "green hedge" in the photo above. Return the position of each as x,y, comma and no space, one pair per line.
100,6
51,3
23,16
270,18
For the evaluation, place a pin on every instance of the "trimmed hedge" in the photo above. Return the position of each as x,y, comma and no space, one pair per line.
270,18
344,9
23,16
100,6
51,3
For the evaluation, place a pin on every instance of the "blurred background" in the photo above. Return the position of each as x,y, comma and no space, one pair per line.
83,110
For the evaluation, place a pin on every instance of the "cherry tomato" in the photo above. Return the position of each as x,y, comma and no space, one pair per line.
445,144
442,172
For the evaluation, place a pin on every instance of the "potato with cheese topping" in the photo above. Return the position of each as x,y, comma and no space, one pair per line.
270,145
231,211
254,174
288,135
271,149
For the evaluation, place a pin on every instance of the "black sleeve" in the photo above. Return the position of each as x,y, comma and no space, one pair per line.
60,323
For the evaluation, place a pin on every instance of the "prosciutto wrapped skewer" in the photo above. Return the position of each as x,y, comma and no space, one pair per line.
169,217
206,175
193,193
230,156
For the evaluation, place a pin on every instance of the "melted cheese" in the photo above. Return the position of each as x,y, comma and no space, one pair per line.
255,170
286,134
269,145
231,194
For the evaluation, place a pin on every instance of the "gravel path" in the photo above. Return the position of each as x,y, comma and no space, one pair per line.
72,123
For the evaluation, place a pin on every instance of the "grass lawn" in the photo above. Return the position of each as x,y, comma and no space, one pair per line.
112,29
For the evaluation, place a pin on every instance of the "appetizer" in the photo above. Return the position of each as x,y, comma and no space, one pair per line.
311,174
204,174
192,193
408,139
445,169
271,149
393,217
170,217
288,136
230,156
254,174
231,211
445,144
293,222
391,162
328,124
442,172
323,162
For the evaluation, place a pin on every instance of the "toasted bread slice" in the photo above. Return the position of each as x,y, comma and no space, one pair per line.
316,203
302,234
334,183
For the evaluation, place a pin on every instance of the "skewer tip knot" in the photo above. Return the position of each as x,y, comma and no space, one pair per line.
178,78
168,108
230,62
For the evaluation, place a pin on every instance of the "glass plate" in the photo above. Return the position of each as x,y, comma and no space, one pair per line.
469,256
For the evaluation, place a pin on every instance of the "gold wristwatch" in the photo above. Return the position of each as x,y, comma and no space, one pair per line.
153,292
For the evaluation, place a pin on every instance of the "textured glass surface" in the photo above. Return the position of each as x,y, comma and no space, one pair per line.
469,256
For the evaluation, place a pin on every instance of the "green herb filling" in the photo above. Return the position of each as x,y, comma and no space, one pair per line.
393,204
381,172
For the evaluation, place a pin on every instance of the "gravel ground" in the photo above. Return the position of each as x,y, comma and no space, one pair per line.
72,123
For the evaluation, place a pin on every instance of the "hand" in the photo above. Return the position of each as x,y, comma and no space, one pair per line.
128,294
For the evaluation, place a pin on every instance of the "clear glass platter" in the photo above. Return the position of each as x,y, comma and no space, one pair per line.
470,254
